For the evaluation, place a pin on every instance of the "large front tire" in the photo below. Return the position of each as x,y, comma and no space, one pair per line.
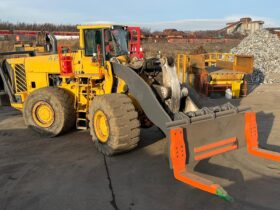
114,123
49,111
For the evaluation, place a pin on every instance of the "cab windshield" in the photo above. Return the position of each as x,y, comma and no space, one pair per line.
116,42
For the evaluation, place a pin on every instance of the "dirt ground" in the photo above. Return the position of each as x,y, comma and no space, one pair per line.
172,49
67,172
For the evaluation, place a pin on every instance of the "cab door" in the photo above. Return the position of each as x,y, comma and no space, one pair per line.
93,51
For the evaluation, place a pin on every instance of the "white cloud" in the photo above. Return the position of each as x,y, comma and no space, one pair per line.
188,25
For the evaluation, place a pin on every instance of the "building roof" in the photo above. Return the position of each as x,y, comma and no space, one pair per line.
257,21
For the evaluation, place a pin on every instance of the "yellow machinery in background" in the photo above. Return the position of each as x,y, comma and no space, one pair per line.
43,44
215,72
28,47
101,88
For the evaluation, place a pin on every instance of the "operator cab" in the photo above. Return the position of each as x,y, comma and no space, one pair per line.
104,42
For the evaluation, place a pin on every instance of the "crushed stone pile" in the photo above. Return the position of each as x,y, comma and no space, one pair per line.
265,47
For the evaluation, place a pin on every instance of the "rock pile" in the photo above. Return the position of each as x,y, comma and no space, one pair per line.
265,47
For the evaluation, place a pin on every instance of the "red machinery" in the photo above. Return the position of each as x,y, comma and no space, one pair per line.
135,42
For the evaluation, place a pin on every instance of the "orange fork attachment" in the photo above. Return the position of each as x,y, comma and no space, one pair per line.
251,133
178,154
178,159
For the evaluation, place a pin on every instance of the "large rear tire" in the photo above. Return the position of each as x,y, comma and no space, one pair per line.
114,124
49,111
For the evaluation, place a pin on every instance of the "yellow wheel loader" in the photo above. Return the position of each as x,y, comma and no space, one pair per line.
100,88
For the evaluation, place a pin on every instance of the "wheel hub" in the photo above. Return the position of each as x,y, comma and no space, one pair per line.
101,126
43,114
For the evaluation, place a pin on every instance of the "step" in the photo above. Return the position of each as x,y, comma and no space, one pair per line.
81,119
83,85
81,128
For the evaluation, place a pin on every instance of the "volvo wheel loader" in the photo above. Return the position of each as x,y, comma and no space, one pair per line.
102,88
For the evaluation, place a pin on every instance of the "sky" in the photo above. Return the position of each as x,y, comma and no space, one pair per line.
153,14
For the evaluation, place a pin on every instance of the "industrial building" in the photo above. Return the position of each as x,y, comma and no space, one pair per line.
244,26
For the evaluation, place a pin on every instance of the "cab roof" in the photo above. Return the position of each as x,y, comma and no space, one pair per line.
93,26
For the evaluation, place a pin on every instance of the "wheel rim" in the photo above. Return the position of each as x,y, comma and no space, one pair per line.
43,114
101,126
